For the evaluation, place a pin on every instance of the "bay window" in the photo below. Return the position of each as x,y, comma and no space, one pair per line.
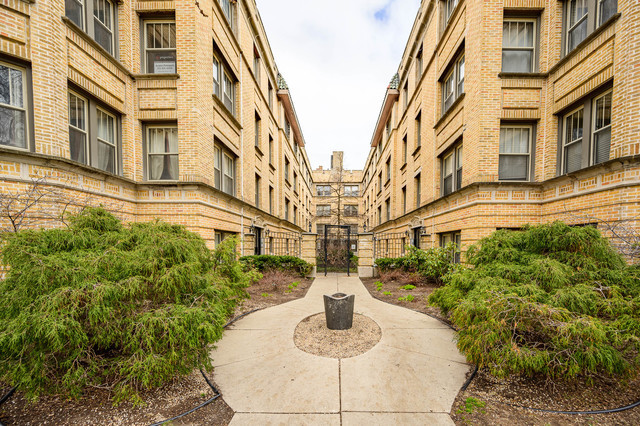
160,47
519,45
515,152
78,128
451,170
13,106
162,152
453,83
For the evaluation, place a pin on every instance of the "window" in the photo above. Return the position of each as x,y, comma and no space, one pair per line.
106,141
586,133
379,181
453,84
257,130
13,107
404,150
286,169
271,200
217,77
419,129
388,165
320,228
578,12
295,215
572,146
258,190
160,47
606,9
452,170
419,64
449,7
405,94
224,84
74,10
351,190
379,215
519,45
220,236
601,128
270,149
270,95
295,181
387,207
229,95
162,152
286,208
287,128
455,238
323,190
323,210
351,210
515,152
103,19
78,129
256,64
224,170
388,132
404,199
418,185
228,7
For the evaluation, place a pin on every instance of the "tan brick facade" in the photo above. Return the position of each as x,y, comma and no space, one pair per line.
57,55
562,79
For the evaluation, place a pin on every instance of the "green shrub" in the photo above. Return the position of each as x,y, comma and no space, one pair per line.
550,300
432,264
266,262
102,304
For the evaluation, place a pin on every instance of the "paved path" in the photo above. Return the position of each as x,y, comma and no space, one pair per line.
411,376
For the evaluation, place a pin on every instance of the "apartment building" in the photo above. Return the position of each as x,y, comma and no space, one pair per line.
508,112
169,109
337,196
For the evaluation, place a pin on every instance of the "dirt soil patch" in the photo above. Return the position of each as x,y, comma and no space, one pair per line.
313,336
491,401
95,407
390,292
275,288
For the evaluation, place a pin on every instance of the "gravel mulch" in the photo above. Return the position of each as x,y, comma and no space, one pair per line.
313,336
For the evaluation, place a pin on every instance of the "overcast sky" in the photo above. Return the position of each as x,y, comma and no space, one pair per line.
338,56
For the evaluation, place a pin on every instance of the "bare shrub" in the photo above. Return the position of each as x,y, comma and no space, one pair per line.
278,278
402,277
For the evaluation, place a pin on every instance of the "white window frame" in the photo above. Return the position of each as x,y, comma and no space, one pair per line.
164,154
351,190
350,210
599,6
24,108
83,12
228,174
323,210
450,6
86,122
533,49
217,79
217,167
594,131
565,143
529,153
146,49
114,130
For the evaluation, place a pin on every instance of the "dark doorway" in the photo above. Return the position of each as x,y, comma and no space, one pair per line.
415,240
258,241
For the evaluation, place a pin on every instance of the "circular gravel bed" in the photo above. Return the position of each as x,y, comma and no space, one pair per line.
313,336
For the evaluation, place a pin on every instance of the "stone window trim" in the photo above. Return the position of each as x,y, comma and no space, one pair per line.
93,111
517,17
586,105
533,128
168,45
598,13
95,21
350,210
26,103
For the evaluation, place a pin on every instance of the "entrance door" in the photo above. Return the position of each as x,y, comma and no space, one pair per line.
333,251
258,240
416,237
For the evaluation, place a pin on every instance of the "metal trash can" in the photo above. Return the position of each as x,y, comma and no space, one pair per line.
338,310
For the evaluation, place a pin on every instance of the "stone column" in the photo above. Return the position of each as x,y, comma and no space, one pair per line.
365,255
308,249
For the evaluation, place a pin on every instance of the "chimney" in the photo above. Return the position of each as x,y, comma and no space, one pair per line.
336,160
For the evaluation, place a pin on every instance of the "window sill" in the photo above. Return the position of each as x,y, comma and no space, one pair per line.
387,183
259,151
449,110
404,166
153,76
523,75
415,151
272,167
224,108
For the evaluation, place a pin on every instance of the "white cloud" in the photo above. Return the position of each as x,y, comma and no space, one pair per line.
338,57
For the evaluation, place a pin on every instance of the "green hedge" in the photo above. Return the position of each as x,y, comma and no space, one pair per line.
550,300
266,262
432,263
102,304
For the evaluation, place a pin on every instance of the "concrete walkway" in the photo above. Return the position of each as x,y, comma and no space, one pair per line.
411,376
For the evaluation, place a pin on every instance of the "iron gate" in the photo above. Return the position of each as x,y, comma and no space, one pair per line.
333,250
